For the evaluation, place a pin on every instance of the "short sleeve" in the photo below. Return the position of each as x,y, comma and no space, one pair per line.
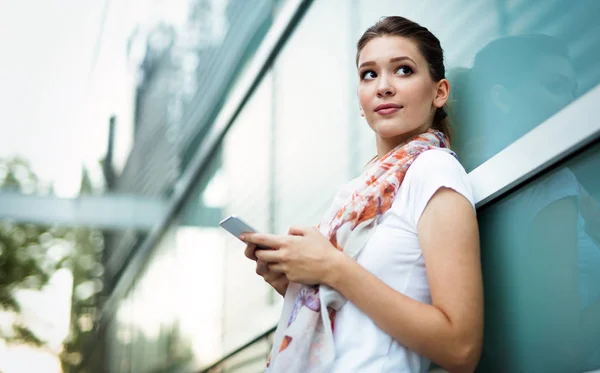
432,170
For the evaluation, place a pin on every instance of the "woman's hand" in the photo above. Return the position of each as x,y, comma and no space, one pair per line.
305,256
276,279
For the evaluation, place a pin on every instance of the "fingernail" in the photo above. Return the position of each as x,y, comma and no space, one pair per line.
243,237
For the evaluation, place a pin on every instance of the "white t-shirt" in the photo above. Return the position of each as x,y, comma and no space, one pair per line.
394,255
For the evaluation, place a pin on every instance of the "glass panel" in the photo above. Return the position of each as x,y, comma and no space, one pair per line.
316,115
120,106
541,265
146,334
143,82
200,261
201,312
248,171
516,64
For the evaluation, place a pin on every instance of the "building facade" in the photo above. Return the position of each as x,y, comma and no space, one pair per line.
525,84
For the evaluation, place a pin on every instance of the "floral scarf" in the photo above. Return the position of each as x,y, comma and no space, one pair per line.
303,341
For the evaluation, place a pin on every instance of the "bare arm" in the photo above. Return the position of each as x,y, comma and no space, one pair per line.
450,331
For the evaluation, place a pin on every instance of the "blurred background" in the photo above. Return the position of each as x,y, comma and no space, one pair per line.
130,128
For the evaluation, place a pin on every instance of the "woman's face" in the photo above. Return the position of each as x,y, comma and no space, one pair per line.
397,96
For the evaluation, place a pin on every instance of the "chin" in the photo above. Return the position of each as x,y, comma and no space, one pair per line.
387,132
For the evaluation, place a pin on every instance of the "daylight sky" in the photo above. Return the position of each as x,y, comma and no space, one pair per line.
64,70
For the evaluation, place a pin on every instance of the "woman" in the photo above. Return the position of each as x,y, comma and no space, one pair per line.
391,279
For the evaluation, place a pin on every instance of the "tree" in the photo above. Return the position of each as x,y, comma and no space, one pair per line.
21,254
31,254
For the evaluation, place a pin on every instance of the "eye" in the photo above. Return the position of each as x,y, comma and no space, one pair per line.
404,70
368,75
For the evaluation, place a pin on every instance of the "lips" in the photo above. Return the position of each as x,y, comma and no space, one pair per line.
387,108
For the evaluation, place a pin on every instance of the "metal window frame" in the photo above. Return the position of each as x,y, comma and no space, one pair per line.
107,212
561,135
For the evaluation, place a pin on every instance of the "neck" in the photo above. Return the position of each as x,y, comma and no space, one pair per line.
385,145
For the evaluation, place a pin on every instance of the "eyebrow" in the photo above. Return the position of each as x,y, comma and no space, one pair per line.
395,59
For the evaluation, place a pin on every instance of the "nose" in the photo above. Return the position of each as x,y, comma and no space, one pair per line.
385,88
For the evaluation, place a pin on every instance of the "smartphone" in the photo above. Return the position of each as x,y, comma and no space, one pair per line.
236,226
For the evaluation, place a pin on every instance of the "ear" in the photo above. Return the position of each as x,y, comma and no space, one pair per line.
442,92
500,98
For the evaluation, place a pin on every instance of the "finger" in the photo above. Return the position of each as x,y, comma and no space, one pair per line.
263,239
273,269
277,267
269,256
250,250
272,277
262,268
297,231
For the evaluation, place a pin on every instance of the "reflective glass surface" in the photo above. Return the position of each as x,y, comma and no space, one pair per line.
541,266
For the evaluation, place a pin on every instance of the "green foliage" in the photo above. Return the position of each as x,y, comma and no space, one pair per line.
25,335
31,254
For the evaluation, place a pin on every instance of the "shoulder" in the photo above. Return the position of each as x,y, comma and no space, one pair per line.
436,161
438,168
431,171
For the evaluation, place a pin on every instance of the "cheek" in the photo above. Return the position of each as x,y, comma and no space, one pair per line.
365,102
418,101
417,93
363,98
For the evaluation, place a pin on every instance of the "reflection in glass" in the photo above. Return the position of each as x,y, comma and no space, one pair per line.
515,83
541,265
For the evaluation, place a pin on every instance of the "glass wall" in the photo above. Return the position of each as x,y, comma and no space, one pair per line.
315,111
191,54
191,304
512,65
104,105
541,265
